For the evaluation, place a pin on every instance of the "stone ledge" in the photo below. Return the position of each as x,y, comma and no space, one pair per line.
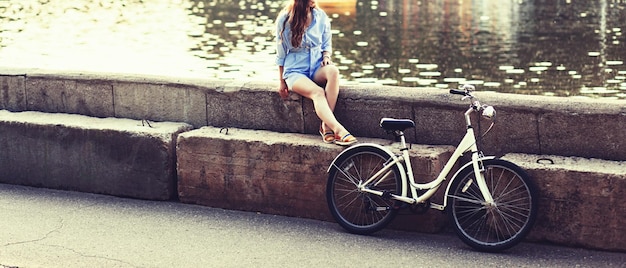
527,124
285,174
278,173
582,201
97,155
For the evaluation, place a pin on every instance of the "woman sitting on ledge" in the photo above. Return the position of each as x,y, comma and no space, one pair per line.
304,47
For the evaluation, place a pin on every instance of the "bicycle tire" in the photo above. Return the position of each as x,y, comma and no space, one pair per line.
355,211
498,227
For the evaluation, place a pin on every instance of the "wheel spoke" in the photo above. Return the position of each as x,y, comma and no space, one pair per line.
470,200
357,211
495,226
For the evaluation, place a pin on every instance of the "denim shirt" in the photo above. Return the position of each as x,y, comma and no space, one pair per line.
307,58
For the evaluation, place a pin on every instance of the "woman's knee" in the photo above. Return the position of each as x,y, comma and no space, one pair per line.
308,88
318,92
332,72
327,74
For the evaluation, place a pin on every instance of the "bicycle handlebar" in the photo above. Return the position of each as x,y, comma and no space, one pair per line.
458,92
466,91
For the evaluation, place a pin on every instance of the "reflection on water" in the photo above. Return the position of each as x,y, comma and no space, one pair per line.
559,47
119,36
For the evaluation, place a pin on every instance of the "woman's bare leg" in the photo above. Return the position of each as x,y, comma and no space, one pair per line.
309,89
329,76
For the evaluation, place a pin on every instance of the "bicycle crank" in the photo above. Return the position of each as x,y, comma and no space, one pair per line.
420,208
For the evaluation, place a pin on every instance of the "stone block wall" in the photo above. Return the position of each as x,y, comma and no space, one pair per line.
582,201
111,156
278,173
526,124
272,147
253,171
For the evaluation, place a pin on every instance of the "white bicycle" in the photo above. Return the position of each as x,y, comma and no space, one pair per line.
491,202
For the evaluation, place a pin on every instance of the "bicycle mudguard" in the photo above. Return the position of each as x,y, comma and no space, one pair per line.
377,146
357,146
467,165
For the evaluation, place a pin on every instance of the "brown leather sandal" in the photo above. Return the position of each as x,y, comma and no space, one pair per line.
328,136
346,140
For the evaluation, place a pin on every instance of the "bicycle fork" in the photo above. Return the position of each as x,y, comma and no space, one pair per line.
469,142
480,179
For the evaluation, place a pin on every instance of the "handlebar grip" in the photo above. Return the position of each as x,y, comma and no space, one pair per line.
458,92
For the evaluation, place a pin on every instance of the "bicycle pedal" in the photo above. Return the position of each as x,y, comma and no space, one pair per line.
377,209
420,208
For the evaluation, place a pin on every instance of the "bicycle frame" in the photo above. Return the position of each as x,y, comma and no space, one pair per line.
363,203
467,144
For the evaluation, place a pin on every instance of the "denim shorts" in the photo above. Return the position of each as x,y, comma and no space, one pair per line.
293,77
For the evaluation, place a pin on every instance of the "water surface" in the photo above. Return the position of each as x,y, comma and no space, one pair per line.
557,47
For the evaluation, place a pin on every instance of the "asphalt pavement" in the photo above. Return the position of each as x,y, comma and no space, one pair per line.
51,228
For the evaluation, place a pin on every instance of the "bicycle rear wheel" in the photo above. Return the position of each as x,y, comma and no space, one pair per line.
356,211
497,227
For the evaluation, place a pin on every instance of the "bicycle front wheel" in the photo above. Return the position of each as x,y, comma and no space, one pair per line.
356,211
499,226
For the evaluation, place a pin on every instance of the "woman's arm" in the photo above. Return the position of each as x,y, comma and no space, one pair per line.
327,41
281,53
327,36
281,45
283,90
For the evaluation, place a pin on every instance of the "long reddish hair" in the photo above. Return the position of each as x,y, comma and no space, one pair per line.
298,12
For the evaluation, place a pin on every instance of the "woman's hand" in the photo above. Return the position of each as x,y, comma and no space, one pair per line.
283,90
326,60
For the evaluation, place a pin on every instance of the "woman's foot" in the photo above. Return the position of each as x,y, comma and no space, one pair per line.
328,136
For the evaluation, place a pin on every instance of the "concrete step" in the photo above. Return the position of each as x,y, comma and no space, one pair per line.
114,156
279,173
582,201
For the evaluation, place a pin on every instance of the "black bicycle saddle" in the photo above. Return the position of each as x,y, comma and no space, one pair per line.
391,124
